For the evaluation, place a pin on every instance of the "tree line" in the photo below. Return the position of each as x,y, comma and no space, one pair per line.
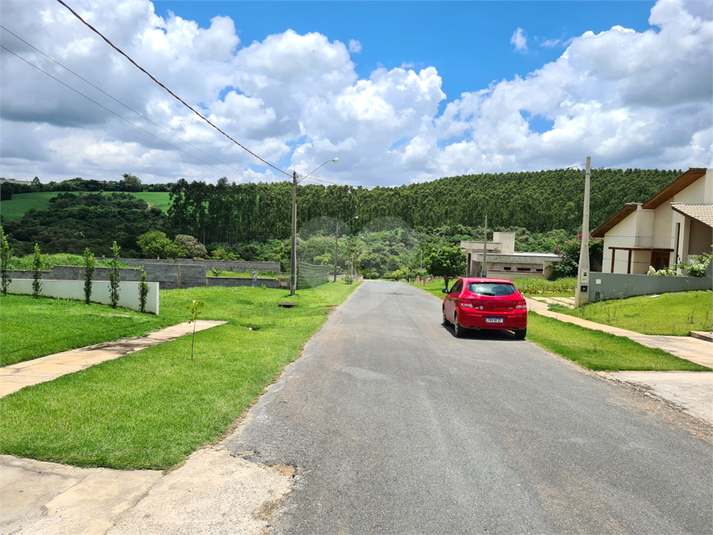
537,201
396,228
129,183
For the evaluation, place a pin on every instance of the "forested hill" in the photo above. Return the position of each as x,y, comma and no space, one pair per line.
538,201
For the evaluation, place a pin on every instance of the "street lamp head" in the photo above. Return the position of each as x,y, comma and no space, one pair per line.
336,160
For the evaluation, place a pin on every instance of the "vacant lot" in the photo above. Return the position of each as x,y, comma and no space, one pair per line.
152,408
673,314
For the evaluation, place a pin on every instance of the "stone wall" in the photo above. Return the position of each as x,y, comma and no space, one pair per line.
232,282
170,274
221,265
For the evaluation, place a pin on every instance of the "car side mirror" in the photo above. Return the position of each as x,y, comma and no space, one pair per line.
444,290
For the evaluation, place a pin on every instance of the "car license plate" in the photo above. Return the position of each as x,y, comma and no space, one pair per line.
493,320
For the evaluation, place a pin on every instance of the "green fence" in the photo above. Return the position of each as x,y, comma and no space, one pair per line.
311,276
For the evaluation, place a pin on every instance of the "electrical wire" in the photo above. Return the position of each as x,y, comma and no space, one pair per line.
107,109
117,100
168,90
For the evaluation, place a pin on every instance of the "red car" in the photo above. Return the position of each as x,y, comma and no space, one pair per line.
475,303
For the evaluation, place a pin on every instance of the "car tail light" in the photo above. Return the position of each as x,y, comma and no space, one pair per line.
464,303
521,305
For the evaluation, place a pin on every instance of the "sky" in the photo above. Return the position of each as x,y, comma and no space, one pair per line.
399,92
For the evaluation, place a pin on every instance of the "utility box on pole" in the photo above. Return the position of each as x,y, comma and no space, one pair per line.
581,293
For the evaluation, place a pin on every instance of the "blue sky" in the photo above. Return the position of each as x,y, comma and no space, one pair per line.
468,42
399,91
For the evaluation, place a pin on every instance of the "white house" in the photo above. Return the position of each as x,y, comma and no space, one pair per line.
503,262
672,226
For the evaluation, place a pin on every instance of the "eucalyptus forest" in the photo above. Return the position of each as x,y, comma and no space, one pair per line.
383,229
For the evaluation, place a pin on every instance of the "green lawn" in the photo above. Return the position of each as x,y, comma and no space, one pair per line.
673,314
22,202
152,408
597,350
34,328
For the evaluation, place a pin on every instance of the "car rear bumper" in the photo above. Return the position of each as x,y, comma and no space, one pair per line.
479,319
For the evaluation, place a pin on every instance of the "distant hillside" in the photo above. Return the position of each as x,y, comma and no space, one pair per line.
22,202
538,201
73,221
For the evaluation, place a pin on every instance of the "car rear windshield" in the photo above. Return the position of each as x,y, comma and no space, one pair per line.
491,288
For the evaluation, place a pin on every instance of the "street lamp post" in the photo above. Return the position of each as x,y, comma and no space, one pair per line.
336,245
293,260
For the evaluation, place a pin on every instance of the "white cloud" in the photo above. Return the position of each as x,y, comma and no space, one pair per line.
627,98
519,39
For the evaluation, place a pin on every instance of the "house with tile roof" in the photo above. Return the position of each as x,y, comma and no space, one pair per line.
671,227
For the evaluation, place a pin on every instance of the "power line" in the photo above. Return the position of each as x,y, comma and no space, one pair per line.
168,90
117,100
107,109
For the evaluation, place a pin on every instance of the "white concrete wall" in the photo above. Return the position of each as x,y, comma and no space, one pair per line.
694,193
621,235
664,228
506,240
644,228
128,292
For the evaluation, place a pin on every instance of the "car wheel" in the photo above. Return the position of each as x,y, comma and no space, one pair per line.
457,329
520,335
445,320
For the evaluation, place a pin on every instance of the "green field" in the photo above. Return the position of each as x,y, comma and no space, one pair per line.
157,199
22,202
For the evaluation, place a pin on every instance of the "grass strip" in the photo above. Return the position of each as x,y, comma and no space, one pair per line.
673,314
33,328
597,350
150,409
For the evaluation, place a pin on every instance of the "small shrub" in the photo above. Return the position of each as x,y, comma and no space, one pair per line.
665,272
114,276
143,292
4,262
347,279
195,308
697,266
37,273
89,266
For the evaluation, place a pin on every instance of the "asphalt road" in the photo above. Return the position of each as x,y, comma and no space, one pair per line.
396,426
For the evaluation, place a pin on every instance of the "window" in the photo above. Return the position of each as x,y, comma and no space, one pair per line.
491,288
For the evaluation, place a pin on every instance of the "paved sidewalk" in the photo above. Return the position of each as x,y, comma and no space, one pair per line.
32,372
691,392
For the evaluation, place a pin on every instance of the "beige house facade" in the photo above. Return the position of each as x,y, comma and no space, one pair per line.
671,227
503,262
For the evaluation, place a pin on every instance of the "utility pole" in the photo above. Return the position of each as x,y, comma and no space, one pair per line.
581,293
336,250
483,268
336,244
293,260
